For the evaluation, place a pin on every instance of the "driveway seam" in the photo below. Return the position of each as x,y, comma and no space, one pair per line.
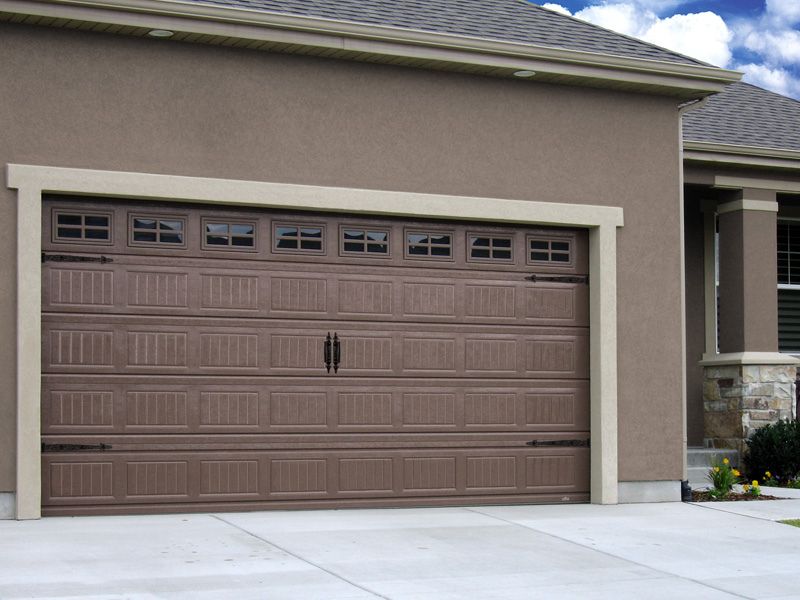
300,558
732,512
606,553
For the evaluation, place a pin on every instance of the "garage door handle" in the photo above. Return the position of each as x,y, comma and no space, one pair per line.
327,352
337,352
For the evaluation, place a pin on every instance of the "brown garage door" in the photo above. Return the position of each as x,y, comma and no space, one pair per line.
185,351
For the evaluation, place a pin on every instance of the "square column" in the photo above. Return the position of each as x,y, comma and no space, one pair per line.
748,274
748,384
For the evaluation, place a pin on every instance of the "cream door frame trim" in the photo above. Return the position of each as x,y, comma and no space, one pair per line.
32,181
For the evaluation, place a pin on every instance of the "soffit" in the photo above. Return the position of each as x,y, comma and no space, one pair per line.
443,52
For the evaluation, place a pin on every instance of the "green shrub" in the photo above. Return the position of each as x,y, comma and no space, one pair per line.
775,448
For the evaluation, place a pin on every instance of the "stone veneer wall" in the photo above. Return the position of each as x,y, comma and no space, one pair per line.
738,399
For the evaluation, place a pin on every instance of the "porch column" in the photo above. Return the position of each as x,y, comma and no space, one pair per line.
748,383
748,278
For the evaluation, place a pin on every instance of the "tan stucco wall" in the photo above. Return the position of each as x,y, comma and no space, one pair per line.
748,282
102,102
695,319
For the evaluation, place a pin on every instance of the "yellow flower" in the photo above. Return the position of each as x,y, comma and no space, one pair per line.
736,473
755,483
768,475
725,461
716,469
746,488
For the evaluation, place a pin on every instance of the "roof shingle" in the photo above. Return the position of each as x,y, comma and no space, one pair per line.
746,115
501,20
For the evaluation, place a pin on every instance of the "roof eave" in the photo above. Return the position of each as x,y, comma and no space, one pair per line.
740,155
681,79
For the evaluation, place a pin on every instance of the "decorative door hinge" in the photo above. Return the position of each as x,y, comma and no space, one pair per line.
559,278
73,447
568,443
73,258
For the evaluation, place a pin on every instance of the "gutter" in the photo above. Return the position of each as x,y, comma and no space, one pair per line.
345,36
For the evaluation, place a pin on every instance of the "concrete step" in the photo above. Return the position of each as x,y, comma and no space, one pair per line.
700,460
707,457
698,477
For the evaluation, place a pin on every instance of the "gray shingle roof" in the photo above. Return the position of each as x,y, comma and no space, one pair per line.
502,20
746,115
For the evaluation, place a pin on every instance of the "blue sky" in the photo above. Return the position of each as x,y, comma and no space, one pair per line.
758,37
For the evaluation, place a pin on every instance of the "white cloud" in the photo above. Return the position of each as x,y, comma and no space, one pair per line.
781,47
771,40
704,36
777,79
627,18
773,43
772,36
783,12
557,8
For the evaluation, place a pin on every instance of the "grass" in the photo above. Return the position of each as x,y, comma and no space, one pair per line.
792,522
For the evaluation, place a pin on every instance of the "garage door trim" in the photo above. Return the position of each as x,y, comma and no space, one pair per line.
31,181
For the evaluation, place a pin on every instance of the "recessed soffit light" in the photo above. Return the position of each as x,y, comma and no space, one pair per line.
524,74
160,33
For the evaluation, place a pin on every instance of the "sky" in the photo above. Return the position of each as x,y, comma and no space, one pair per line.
761,38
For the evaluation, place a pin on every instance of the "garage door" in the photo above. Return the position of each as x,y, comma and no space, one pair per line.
204,359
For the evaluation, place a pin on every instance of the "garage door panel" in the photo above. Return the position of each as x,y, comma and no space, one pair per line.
206,478
168,290
332,252
149,345
164,407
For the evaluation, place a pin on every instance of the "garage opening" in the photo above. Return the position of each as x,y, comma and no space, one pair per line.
198,358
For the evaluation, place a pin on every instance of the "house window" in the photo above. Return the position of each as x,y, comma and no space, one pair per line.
82,227
146,230
789,286
298,238
226,235
429,244
548,250
374,242
490,248
789,252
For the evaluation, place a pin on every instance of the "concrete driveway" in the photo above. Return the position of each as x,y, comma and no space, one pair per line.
654,551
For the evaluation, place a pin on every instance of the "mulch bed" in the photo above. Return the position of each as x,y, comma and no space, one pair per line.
703,496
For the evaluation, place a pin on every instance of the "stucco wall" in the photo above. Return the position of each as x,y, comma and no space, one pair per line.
105,102
695,319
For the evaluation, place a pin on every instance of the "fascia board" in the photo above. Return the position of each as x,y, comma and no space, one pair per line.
773,184
746,156
325,33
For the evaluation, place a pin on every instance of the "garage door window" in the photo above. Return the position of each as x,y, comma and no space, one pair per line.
549,251
299,238
490,249
157,231
374,242
222,235
429,244
82,227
